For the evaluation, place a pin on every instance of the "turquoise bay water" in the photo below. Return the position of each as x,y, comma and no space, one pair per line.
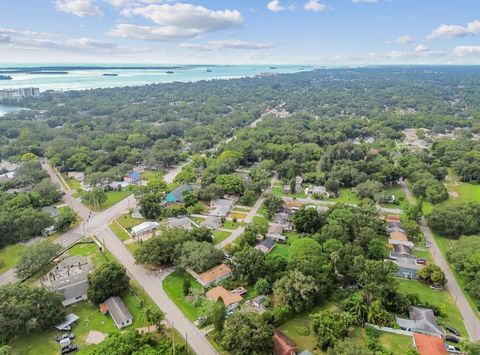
89,78
7,109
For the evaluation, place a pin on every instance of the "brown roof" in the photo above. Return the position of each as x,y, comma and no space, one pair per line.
227,297
429,345
398,236
215,273
392,218
282,345
275,228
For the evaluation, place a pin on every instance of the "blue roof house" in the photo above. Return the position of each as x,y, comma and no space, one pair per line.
132,177
177,194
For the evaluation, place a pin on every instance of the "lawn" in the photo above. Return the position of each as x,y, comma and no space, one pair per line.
173,286
228,224
9,256
198,220
220,236
398,344
399,197
238,215
241,209
127,221
277,191
258,219
113,197
346,196
72,183
119,231
282,248
442,299
150,174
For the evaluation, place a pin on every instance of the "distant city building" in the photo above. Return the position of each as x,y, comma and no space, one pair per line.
19,93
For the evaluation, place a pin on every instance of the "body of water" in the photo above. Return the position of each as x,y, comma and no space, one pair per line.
71,77
6,109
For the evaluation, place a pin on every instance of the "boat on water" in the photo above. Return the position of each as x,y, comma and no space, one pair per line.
170,72
209,70
110,74
273,68
5,77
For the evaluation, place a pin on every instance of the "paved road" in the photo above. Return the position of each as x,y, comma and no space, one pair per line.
471,321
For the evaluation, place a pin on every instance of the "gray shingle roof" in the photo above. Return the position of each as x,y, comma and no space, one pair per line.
117,309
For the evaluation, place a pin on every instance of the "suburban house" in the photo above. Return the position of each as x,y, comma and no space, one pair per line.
176,195
220,207
144,228
7,176
265,246
118,311
286,189
275,232
132,178
392,218
213,276
400,236
76,175
401,249
257,304
181,222
428,344
407,267
70,278
212,222
422,320
230,300
283,219
282,345
316,190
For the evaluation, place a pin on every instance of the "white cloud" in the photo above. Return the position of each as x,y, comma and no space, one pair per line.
15,39
275,6
150,33
314,5
79,8
451,31
226,44
419,51
405,39
464,51
367,1
131,3
188,16
176,21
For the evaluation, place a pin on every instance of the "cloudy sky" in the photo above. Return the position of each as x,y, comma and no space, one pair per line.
328,32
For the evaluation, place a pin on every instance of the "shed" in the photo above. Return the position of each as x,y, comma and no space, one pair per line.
144,227
69,320
282,345
119,312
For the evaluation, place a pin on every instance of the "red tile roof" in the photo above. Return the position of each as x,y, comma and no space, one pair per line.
429,345
282,345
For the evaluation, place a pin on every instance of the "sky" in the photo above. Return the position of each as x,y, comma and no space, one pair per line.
313,32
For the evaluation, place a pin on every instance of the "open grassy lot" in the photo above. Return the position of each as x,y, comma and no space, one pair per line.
9,256
241,209
173,286
282,248
346,196
228,224
398,344
399,197
277,191
442,299
113,197
220,236
151,174
198,220
238,215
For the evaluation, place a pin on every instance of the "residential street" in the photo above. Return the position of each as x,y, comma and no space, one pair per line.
471,321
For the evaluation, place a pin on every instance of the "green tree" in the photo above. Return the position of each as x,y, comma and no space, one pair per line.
150,206
355,305
110,279
216,314
378,315
96,197
249,265
199,256
247,333
35,258
308,220
230,183
65,219
296,290
187,284
272,204
432,274
330,327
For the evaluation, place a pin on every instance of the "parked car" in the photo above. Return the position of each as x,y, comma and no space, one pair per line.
452,349
428,244
421,261
453,330
69,335
452,338
436,288
70,348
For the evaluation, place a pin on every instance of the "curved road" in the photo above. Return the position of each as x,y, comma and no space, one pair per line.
472,323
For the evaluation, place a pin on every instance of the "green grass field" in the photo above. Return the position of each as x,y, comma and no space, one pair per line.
230,224
282,248
119,232
173,286
346,196
113,197
238,215
151,174
399,197
398,344
277,191
128,222
220,236
9,256
241,209
442,299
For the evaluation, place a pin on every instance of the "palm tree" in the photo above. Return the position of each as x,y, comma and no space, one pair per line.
334,257
356,306
147,314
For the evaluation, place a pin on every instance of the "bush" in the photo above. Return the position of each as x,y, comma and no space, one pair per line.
302,330
281,314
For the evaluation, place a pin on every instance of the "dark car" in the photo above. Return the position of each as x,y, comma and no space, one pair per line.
69,349
69,335
453,330
421,261
452,338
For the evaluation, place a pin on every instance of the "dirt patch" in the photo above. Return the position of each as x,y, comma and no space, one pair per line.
95,337
454,194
